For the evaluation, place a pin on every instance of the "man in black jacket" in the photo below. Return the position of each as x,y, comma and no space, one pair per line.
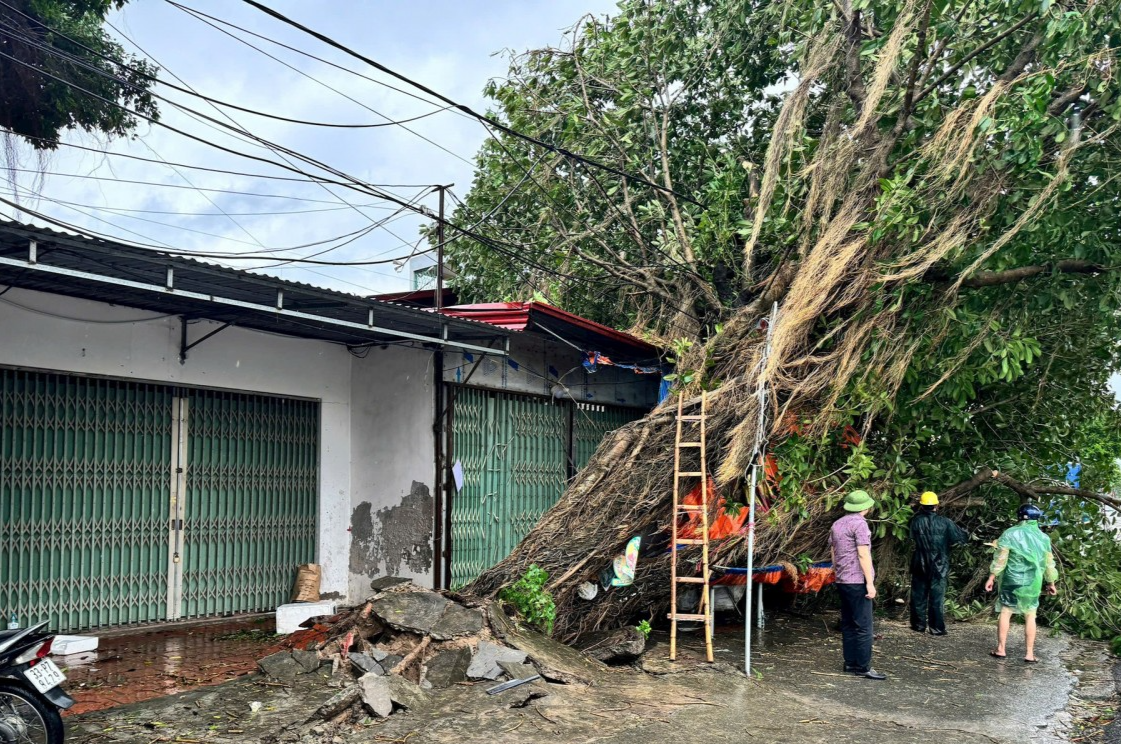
933,536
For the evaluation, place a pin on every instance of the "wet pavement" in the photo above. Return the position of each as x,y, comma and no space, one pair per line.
156,662
945,688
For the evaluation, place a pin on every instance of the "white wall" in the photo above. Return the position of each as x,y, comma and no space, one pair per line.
544,367
393,467
92,339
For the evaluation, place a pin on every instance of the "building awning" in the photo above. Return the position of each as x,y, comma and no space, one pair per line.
584,334
46,260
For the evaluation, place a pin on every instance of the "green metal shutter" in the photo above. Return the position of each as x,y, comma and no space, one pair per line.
591,423
84,477
514,450
251,500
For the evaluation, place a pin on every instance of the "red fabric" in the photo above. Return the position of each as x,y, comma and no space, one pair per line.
722,526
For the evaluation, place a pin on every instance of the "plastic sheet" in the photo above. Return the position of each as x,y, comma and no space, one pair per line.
1020,580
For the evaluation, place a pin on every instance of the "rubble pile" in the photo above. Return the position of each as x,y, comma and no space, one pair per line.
391,652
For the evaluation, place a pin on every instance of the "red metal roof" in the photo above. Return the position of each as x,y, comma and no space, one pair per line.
525,316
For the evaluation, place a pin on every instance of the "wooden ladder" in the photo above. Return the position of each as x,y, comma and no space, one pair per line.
704,609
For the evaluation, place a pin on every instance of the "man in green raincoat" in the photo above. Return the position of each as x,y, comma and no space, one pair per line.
1022,563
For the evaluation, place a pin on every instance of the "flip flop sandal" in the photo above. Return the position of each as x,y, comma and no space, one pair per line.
1031,661
995,655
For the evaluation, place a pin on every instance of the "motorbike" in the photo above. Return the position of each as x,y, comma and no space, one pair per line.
31,696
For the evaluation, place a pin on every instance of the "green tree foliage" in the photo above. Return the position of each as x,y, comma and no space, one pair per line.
928,190
46,42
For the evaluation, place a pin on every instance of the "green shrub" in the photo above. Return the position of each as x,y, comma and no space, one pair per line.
529,598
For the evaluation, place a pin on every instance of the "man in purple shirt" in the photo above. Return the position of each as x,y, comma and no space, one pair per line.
850,542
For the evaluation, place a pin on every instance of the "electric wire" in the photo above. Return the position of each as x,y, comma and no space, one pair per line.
464,108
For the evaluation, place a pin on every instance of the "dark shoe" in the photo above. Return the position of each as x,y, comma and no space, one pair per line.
871,674
853,670
918,629
937,632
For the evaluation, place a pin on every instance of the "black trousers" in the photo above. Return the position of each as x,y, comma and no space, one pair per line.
856,626
928,599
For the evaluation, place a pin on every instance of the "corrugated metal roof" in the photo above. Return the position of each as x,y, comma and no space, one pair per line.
564,326
121,274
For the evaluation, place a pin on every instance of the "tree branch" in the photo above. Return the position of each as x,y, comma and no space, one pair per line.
1011,276
1016,65
1028,492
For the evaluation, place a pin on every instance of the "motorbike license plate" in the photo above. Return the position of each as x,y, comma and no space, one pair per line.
45,675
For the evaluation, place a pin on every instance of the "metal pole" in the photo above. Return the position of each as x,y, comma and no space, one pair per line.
438,300
750,573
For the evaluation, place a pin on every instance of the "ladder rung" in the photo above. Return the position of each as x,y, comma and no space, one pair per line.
690,580
691,508
691,418
679,616
686,473
690,444
691,541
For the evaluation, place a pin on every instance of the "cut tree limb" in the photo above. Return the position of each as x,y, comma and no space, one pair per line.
1030,492
1011,276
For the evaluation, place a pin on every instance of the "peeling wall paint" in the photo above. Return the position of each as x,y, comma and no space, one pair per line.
392,468
394,540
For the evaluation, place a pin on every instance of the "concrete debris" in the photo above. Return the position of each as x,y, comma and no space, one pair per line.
417,612
457,621
406,694
387,582
448,667
445,642
375,695
515,670
485,663
309,660
281,666
622,646
338,703
365,664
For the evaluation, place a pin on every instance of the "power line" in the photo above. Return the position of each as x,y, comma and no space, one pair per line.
467,109
201,15
352,183
390,121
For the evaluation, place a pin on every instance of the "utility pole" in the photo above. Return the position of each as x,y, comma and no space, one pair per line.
439,297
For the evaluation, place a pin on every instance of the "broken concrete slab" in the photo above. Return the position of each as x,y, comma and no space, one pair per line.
387,582
514,670
485,663
620,646
457,621
555,661
390,661
448,667
405,693
416,612
342,700
379,655
309,660
365,664
375,695
281,666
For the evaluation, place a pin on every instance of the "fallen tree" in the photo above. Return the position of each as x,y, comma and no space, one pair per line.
931,207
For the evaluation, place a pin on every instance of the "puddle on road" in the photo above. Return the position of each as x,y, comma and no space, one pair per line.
153,663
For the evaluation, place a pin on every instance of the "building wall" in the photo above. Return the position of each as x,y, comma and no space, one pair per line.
393,467
51,332
543,367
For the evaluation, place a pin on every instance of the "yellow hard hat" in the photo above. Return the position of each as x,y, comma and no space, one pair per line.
929,498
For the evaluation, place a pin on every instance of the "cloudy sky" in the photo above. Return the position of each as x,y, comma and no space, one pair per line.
452,47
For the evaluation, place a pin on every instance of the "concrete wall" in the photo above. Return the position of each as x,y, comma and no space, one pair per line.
56,333
544,367
393,467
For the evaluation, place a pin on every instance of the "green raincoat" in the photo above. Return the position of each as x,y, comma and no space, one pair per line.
1023,561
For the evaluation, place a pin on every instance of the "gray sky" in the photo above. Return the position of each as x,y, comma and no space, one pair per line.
453,47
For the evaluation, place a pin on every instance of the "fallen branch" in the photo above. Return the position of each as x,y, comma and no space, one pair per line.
405,662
